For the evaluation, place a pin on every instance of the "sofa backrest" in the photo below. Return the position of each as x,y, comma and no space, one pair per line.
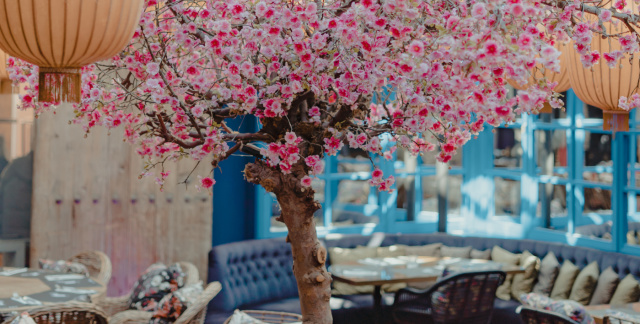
580,256
251,272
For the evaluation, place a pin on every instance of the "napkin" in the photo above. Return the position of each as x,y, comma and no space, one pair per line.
72,290
69,276
12,272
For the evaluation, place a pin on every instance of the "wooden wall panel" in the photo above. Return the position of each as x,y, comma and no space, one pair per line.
87,195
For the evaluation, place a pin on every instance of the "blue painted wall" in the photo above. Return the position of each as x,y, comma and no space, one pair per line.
233,197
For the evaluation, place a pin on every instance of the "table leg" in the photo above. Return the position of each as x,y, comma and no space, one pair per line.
377,304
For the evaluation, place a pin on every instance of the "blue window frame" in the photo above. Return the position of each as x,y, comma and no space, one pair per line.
547,176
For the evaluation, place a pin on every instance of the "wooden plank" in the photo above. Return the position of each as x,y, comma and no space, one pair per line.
87,195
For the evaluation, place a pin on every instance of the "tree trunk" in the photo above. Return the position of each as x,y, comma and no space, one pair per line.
298,207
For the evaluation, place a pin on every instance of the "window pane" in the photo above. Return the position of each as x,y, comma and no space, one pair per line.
429,196
552,206
596,218
352,160
551,152
507,197
633,225
353,192
507,148
597,158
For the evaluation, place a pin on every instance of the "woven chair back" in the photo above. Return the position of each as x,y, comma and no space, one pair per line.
465,298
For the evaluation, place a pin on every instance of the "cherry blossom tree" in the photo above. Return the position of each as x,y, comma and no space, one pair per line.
425,74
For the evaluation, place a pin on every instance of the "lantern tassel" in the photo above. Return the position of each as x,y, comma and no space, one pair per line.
546,109
615,120
59,85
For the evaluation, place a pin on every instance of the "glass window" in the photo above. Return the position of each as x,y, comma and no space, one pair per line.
551,152
597,158
507,197
507,149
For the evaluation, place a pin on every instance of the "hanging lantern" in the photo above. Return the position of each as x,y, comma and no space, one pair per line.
538,73
601,86
4,74
62,36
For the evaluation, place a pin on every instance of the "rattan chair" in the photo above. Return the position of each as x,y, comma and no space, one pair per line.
194,314
113,305
465,298
71,313
612,319
539,316
272,317
98,264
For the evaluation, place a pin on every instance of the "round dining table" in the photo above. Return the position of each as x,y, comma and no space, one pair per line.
22,288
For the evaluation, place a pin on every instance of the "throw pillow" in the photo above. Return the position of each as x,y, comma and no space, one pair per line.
549,269
348,256
175,304
501,255
628,291
391,251
564,282
456,252
425,250
537,301
63,266
585,284
606,286
156,282
481,255
523,282
572,310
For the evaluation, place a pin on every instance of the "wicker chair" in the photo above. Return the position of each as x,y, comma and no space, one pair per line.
612,319
194,314
465,298
272,317
71,313
113,305
538,316
98,264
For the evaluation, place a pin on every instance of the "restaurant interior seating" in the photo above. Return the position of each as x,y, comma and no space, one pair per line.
257,274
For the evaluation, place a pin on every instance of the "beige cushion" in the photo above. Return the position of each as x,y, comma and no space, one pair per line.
501,255
425,250
628,291
606,286
523,282
455,252
344,256
481,255
391,251
564,282
585,284
549,268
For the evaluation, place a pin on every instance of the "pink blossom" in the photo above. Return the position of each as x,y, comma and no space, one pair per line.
207,182
306,181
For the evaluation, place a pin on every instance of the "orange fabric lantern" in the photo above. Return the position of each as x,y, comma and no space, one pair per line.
602,86
4,74
538,73
62,36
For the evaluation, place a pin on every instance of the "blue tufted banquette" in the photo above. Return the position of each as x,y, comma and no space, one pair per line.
257,274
